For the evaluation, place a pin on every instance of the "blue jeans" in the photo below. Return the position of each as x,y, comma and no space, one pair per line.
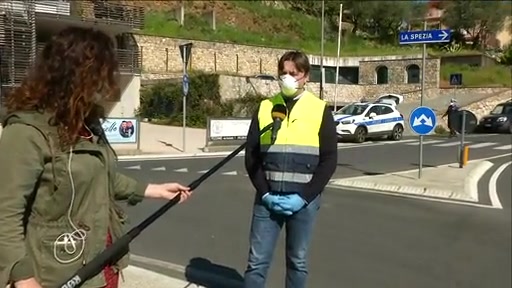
265,229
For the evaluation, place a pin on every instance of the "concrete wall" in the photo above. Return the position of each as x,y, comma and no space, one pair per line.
161,55
130,97
127,105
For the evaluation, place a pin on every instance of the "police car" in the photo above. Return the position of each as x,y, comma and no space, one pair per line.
361,120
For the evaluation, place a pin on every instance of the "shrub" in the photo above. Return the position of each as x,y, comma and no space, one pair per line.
440,130
162,103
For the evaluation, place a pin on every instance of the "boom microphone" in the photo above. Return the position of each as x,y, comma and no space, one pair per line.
119,248
279,112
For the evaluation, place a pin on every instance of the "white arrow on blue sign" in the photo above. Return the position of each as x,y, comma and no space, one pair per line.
423,120
425,36
185,84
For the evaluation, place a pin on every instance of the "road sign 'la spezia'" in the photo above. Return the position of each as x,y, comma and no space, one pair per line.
423,120
425,36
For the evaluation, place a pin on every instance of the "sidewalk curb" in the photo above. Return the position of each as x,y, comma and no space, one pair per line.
470,193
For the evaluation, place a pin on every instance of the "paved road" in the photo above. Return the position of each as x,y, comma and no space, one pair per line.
362,239
354,159
495,187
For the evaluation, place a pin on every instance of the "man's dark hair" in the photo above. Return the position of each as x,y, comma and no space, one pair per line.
299,58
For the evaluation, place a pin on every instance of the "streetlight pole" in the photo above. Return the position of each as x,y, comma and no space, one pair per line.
338,61
322,76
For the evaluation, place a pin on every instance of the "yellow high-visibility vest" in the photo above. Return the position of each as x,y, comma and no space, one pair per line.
290,162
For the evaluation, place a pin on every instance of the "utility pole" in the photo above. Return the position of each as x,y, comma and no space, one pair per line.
322,76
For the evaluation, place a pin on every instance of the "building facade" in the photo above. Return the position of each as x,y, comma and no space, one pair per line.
25,25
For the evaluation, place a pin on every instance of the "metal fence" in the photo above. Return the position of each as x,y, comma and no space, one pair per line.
17,40
109,12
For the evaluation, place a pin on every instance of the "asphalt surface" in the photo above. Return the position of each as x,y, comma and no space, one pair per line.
361,239
500,175
353,159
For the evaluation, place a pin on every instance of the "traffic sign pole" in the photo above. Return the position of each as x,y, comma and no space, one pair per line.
423,64
184,141
462,136
185,51
422,121
423,37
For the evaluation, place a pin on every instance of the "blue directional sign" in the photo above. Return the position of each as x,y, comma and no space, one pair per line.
425,36
185,84
456,79
422,120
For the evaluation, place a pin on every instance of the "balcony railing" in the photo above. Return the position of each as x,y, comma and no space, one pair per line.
109,12
129,61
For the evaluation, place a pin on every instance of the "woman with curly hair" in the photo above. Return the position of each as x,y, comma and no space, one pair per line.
59,184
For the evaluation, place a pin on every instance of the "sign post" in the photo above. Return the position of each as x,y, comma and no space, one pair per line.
185,51
456,80
422,121
423,37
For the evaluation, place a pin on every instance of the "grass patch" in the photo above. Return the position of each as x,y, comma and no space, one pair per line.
496,75
277,28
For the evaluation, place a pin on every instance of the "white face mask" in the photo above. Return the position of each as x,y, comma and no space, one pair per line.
289,86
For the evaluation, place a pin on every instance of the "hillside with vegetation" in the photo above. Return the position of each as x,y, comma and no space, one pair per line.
370,28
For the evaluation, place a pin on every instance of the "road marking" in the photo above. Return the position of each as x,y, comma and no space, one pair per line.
480,145
183,170
447,144
419,197
202,171
474,176
504,147
230,173
405,141
493,193
158,169
136,167
425,142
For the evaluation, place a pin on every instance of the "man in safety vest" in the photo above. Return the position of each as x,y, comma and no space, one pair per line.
289,172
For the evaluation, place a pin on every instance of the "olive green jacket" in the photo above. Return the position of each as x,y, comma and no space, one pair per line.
36,191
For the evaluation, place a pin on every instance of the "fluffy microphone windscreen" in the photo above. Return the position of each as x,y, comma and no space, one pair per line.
279,111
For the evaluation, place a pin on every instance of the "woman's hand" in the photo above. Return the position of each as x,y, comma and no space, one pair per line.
167,191
27,283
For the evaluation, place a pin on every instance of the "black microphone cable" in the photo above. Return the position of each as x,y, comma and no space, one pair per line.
119,248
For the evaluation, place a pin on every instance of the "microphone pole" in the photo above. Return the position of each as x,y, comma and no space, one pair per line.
119,248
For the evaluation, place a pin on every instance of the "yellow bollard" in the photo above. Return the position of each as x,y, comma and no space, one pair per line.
465,156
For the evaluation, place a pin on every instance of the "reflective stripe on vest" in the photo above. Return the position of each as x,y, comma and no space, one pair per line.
289,162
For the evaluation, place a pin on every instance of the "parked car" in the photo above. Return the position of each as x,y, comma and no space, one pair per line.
499,120
361,120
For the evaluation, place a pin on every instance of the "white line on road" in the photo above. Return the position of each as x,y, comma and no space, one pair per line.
158,169
183,170
474,176
504,147
425,142
493,193
136,167
419,197
447,144
480,145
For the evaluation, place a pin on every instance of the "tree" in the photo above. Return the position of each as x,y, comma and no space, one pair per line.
359,13
476,18
387,18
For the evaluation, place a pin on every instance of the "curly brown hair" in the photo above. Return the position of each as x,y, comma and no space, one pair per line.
74,67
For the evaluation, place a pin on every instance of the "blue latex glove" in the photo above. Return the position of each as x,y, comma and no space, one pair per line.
291,203
271,201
